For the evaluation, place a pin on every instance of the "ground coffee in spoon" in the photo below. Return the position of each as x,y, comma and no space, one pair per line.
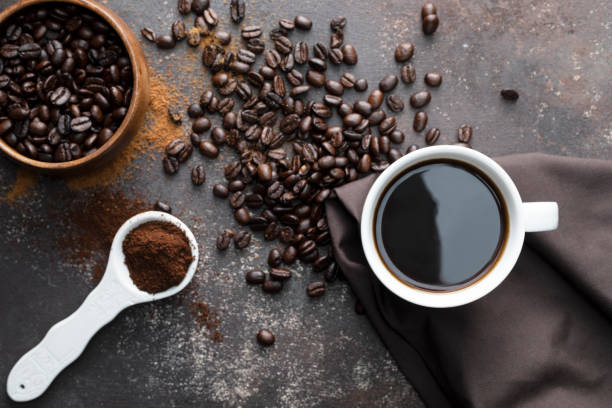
157,255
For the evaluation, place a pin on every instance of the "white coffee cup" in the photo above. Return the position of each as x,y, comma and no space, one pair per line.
522,217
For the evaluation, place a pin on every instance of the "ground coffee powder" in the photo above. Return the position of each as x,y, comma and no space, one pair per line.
157,255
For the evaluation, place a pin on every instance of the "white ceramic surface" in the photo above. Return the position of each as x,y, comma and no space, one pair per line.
523,217
66,340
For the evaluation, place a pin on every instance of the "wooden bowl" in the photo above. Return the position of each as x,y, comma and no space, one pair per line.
136,111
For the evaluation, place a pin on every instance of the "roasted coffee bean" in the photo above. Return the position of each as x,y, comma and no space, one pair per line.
397,137
395,103
337,23
315,78
289,255
279,274
170,164
237,10
80,124
420,121
348,80
272,58
320,50
317,64
246,56
178,30
376,98
255,276
274,259
316,289
252,31
242,239
184,6
404,51
198,6
162,206
174,147
208,149
432,135
464,134
420,99
336,39
361,85
352,120
223,37
286,24
334,87
408,74
195,110
509,94
220,191
232,170
201,125
394,155
335,56
303,23
256,45
283,45
387,126
165,42
412,148
388,83
198,175
428,8
224,239
433,79
300,52
272,286
242,215
60,96
211,18
430,24
349,54
295,77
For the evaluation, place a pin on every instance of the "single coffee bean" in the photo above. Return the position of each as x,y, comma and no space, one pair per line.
420,99
184,6
178,30
397,136
220,191
428,8
317,64
335,56
334,87
336,39
290,255
242,239
430,24
300,53
509,94
243,216
394,155
256,45
255,276
201,125
252,31
211,18
320,50
198,175
464,134
316,289
387,126
274,258
395,103
165,42
272,286
80,124
265,337
349,54
433,79
376,117
432,135
208,149
376,98
412,148
237,10
315,78
280,274
404,51
148,34
361,85
303,23
286,24
198,6
224,239
420,121
408,74
170,164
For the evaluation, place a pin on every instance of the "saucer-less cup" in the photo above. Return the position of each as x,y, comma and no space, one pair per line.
522,218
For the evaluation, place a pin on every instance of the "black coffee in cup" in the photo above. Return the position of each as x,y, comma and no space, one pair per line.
440,225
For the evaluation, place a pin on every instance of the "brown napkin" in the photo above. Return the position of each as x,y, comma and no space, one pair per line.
543,338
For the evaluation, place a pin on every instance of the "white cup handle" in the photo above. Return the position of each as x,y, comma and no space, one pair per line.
540,216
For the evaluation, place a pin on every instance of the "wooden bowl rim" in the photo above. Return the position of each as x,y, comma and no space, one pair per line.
130,45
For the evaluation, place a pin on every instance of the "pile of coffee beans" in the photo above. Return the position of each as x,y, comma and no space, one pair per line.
288,156
65,82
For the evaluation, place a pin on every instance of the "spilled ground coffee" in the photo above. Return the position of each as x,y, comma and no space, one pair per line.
157,255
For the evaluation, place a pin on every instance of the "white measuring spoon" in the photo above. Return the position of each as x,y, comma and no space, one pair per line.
66,340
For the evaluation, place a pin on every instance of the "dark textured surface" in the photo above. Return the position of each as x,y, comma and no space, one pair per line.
557,54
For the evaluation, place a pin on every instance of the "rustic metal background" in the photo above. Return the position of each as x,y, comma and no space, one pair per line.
556,53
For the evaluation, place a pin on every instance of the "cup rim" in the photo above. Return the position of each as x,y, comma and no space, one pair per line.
506,259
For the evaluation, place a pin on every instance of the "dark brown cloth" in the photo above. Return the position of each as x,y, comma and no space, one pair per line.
543,338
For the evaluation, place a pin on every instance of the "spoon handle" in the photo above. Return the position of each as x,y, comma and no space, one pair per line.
66,340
